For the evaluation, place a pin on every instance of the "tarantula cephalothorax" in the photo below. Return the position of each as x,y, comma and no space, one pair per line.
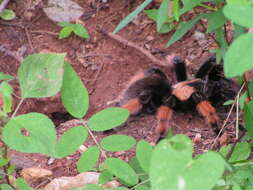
150,92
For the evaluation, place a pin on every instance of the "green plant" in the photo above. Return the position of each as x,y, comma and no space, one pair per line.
68,28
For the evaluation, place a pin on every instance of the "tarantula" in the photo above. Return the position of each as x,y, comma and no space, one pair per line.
150,91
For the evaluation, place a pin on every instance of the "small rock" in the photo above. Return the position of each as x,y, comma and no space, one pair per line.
82,149
197,138
66,183
33,174
150,38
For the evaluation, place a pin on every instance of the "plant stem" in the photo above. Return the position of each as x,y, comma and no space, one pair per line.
207,7
95,140
143,182
17,108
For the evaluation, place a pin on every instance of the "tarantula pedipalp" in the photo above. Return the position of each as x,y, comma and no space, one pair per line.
150,91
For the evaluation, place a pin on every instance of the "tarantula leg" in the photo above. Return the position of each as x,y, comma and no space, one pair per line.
134,106
180,68
209,113
206,67
164,115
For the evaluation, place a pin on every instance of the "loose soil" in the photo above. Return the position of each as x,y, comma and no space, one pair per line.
104,66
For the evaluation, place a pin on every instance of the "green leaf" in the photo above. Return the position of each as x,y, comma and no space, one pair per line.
238,58
152,14
122,171
215,20
239,30
189,5
134,163
241,152
248,118
70,141
250,86
65,32
142,187
243,99
3,161
74,95
167,28
143,154
6,91
88,159
162,14
176,10
80,31
7,14
22,185
104,177
5,76
108,118
239,14
184,28
41,138
229,102
116,143
5,187
131,16
40,75
172,166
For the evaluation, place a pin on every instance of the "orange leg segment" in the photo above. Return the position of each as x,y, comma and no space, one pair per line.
134,106
208,112
163,116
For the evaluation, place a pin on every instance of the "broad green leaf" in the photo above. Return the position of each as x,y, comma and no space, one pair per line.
80,31
97,187
162,14
131,16
241,152
41,137
104,177
238,31
167,28
243,99
250,86
122,171
142,187
5,187
248,118
40,75
143,154
172,166
22,185
220,37
74,95
88,159
224,150
5,76
215,20
238,58
134,163
108,118
116,143
6,91
70,141
239,14
7,14
65,32
184,28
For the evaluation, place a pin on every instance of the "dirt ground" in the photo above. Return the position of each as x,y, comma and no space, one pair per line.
104,66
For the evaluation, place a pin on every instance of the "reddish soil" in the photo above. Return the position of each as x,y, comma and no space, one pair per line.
104,72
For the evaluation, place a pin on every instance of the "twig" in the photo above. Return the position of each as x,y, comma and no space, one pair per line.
225,122
140,49
45,32
3,5
29,38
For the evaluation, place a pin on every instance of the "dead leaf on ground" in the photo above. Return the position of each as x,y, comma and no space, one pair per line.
33,174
